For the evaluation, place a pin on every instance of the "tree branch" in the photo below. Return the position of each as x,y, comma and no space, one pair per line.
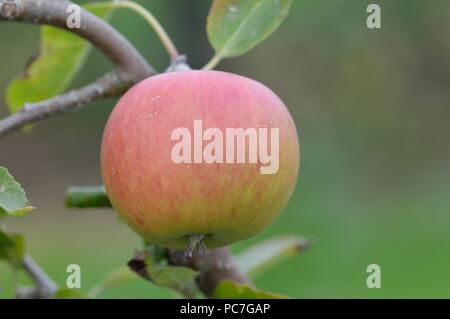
217,265
45,286
98,32
132,67
111,84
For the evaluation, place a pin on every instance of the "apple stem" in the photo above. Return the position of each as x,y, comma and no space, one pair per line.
196,242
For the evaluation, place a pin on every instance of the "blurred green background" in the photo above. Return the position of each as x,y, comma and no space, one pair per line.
372,111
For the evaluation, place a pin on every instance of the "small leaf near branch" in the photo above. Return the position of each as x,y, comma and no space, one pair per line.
262,256
236,26
87,197
228,289
12,248
13,200
60,57
179,279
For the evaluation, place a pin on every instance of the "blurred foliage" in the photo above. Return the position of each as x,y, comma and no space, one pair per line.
371,107
66,293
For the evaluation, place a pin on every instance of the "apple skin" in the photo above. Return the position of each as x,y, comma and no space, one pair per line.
167,203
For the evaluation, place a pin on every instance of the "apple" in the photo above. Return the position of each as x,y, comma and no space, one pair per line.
199,158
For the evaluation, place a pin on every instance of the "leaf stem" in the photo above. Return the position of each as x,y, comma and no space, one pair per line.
153,22
213,62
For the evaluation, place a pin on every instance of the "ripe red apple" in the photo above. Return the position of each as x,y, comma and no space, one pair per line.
173,175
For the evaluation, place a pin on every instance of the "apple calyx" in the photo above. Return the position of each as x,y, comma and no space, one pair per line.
196,243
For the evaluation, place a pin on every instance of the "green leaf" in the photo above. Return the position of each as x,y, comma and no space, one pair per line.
180,279
12,248
13,200
60,57
87,197
260,257
236,26
177,278
66,293
228,289
113,279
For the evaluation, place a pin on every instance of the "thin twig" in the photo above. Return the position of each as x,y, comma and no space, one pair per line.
111,84
98,32
45,286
